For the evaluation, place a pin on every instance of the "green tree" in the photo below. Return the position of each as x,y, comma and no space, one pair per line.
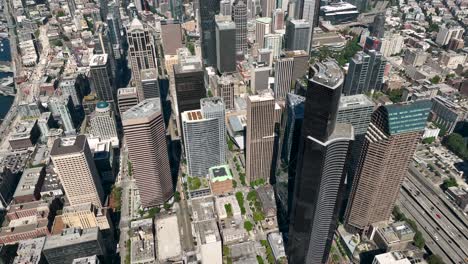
258,216
153,212
436,79
435,259
248,226
259,259
228,208
419,240
428,140
240,201
456,143
450,182
395,95
252,195
177,197
234,184
167,206
399,216
191,47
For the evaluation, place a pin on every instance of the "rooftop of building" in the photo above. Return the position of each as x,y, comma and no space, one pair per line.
149,74
68,145
203,209
352,101
266,195
220,173
136,24
71,236
77,208
167,230
207,231
143,224
295,99
28,181
194,115
86,260
211,102
296,53
225,24
29,251
263,95
98,60
265,20
328,73
299,22
337,6
188,67
51,182
277,244
144,109
126,91
22,129
394,257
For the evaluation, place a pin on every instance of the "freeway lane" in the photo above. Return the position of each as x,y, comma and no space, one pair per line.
436,241
453,214
440,216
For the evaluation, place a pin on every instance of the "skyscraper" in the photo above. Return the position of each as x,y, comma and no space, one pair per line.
239,16
225,8
204,136
102,77
283,77
297,35
140,51
126,98
260,135
378,26
267,7
189,86
393,134
300,65
274,43
62,108
102,123
355,110
278,20
320,168
225,89
225,46
208,10
75,166
259,79
145,133
366,70
149,83
262,27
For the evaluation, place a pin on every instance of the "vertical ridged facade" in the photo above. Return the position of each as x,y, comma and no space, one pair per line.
283,77
320,168
260,135
389,145
149,83
145,134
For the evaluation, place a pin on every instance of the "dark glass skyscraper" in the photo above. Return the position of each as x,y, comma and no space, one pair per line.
320,169
208,10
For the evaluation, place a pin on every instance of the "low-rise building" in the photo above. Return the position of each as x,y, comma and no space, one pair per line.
24,135
395,236
391,258
202,209
460,197
74,243
168,239
452,59
142,242
277,246
29,186
85,216
209,241
222,203
87,260
30,251
220,180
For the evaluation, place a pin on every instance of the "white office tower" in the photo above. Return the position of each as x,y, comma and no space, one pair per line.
273,42
204,136
61,107
283,77
103,124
